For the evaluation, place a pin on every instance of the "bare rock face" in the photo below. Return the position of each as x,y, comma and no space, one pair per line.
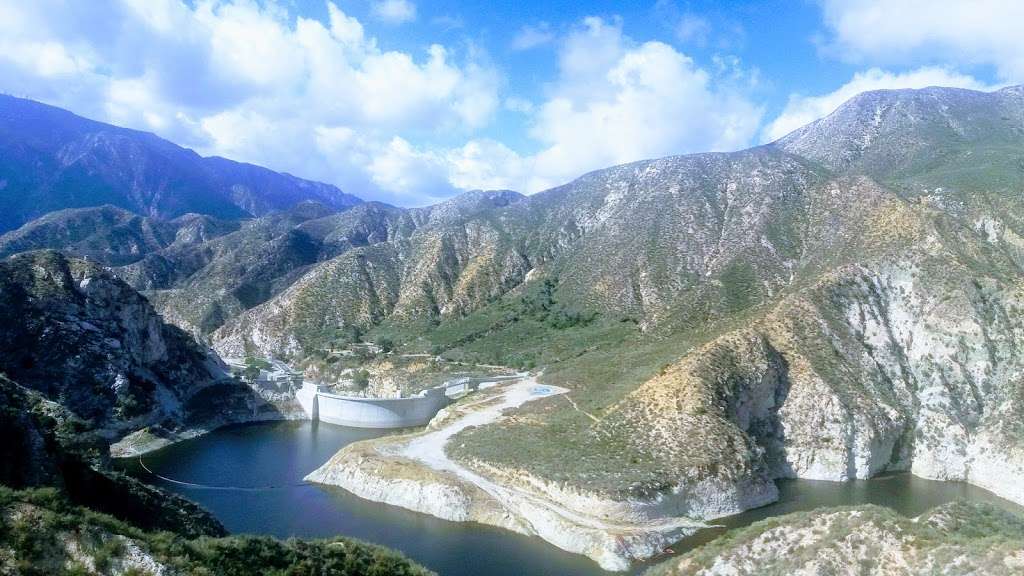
624,531
897,366
895,132
85,340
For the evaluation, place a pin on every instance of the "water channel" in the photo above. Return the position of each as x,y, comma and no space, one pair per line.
257,470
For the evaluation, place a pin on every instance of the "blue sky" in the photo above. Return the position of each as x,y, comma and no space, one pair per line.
411,101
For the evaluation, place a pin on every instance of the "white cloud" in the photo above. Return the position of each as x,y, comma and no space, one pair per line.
693,28
614,101
957,32
248,81
617,101
488,165
802,110
394,11
516,104
532,36
411,172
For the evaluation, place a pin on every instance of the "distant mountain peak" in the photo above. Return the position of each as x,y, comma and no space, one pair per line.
52,159
887,132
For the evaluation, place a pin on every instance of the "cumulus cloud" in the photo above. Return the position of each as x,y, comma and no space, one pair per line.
692,28
614,101
978,32
403,168
802,110
246,80
489,165
516,104
394,11
618,101
322,99
532,36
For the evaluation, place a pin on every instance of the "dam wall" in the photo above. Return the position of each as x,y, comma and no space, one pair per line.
307,398
360,412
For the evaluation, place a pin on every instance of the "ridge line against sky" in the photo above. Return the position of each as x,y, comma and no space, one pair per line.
409,102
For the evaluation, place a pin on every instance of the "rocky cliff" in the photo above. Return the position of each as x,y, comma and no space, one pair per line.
87,341
45,445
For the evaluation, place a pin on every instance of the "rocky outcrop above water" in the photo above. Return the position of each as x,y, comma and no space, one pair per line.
872,369
620,539
413,471
361,469
45,445
957,538
85,340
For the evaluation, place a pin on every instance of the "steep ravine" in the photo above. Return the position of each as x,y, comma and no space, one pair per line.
882,368
86,340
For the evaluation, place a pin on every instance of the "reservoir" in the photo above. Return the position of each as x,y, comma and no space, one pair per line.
251,477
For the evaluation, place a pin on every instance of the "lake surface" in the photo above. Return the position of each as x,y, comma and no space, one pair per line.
259,468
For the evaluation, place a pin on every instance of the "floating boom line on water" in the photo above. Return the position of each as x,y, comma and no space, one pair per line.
211,487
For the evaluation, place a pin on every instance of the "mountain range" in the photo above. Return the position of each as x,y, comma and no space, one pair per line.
840,303
51,159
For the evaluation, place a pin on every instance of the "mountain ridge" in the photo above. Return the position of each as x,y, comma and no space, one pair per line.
54,159
840,303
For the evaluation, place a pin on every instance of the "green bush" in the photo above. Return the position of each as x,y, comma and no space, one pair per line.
361,379
36,542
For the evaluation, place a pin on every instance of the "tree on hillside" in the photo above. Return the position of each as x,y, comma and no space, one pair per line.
361,379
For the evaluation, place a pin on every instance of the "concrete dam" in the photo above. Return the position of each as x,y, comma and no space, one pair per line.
362,412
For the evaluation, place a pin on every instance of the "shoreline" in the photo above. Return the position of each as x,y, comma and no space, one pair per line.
413,471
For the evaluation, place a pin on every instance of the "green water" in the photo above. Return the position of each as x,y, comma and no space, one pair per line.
258,472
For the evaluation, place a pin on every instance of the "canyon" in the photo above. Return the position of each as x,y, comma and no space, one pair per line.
842,303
